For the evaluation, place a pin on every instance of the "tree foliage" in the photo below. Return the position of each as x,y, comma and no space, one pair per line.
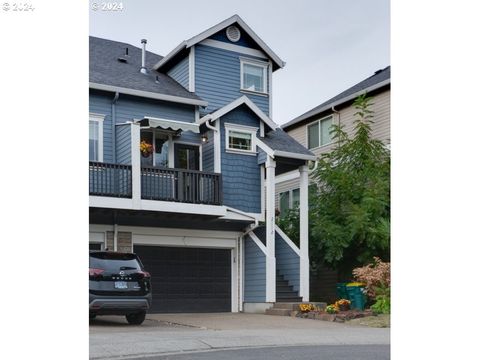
349,212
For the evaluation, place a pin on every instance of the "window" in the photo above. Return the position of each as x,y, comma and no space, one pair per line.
288,200
318,133
95,138
253,76
240,138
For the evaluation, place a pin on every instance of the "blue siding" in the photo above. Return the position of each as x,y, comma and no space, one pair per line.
180,72
217,78
255,272
287,262
124,142
240,172
208,153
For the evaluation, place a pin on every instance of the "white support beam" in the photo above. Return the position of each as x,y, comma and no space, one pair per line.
136,163
270,233
304,259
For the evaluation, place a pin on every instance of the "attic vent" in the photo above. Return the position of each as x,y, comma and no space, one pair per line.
233,33
122,59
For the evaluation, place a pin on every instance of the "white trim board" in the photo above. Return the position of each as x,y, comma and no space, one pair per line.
291,175
232,47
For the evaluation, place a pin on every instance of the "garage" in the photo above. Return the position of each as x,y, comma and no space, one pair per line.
186,279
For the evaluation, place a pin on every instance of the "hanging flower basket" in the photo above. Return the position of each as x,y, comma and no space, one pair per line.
146,149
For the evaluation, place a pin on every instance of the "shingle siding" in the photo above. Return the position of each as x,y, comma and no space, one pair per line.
240,172
255,272
180,72
208,153
217,78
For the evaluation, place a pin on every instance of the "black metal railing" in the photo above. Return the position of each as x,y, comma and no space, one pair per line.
113,180
181,185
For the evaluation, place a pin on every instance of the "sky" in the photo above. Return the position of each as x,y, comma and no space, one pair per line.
327,45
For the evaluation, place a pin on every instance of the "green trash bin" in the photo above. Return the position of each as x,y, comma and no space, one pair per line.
342,291
356,296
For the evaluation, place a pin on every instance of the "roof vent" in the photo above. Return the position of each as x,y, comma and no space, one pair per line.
233,33
122,60
143,69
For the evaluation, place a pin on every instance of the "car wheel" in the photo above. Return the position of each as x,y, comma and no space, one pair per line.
136,318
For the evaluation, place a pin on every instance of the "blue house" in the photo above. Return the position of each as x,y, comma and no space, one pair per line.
183,158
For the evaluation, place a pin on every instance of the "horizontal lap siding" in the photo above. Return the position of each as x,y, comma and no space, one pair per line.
288,262
124,141
217,78
255,272
180,72
240,172
101,103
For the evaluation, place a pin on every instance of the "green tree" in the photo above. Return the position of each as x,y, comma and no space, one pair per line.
349,213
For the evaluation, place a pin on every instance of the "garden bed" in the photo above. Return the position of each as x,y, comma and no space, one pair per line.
341,316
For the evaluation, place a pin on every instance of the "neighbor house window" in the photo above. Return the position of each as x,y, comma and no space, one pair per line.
240,138
288,200
318,133
95,138
253,76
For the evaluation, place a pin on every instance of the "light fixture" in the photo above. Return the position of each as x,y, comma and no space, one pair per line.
204,138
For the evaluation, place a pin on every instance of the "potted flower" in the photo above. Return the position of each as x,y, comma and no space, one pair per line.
146,148
343,304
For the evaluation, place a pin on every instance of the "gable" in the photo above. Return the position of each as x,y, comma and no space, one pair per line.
245,39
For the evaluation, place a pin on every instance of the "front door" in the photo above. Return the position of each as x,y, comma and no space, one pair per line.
187,157
188,183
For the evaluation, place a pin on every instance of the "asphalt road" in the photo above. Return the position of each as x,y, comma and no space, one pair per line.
324,352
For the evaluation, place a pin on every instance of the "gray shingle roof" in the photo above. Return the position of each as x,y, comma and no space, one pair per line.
279,140
377,78
105,69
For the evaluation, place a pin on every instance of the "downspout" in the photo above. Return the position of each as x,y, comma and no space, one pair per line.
114,121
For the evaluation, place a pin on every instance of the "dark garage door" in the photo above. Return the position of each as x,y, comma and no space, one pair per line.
188,279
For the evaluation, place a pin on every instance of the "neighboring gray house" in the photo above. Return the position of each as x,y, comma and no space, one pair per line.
191,202
311,129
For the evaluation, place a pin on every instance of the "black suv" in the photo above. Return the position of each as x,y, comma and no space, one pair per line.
119,285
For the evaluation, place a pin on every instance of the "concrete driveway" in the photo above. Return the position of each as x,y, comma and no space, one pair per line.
111,337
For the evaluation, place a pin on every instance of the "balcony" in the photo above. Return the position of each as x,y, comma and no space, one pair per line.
161,184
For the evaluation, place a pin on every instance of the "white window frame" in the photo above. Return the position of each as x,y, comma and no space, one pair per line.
252,131
99,119
257,63
319,131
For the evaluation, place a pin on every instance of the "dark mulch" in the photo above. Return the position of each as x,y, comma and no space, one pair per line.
342,316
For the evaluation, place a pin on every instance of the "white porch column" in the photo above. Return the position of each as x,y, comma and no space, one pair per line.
270,225
136,163
304,260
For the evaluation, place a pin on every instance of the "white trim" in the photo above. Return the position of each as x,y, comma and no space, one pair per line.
270,272
319,131
304,257
147,94
232,47
171,155
265,148
241,270
197,114
234,104
182,241
262,129
263,65
98,118
270,89
244,130
291,175
214,29
172,124
136,165
262,191
191,70
287,240
258,242
149,230
217,148
234,277
336,103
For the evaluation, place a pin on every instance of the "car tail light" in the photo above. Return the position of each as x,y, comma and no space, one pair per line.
144,274
95,272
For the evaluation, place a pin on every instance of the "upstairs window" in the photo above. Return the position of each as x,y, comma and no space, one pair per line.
240,138
254,76
318,133
95,138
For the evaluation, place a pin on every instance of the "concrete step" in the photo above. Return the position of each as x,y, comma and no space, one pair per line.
278,312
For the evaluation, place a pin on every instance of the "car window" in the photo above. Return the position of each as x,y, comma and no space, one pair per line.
114,262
